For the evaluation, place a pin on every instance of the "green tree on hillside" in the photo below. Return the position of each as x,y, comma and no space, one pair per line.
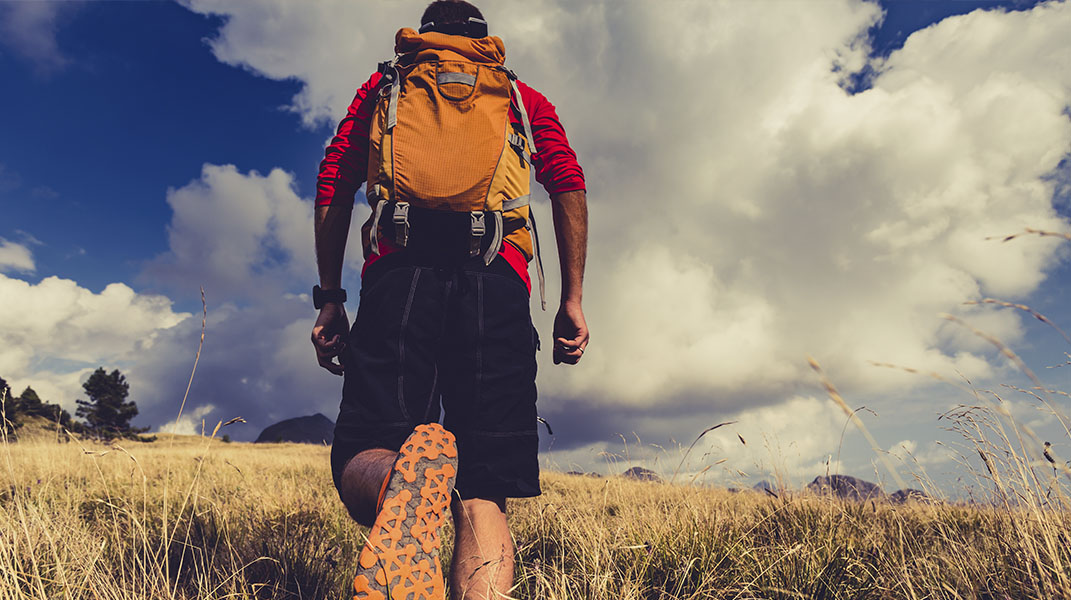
107,412
28,402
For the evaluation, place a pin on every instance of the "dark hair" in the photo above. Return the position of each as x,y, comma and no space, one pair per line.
449,12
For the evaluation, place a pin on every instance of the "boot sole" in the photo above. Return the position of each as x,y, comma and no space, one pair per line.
400,560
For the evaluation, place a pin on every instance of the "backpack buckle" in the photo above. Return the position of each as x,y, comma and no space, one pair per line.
478,227
401,223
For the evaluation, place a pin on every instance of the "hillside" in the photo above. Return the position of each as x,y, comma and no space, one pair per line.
313,429
34,429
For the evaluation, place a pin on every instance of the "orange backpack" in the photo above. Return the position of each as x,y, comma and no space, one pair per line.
440,140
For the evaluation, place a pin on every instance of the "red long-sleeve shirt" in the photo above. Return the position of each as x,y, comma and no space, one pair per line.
344,168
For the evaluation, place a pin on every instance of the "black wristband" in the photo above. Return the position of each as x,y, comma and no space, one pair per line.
321,297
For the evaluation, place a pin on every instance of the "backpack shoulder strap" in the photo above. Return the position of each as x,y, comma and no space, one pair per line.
530,225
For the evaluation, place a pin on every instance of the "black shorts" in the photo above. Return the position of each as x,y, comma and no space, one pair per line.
459,336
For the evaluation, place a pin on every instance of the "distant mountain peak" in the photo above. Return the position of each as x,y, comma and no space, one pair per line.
312,429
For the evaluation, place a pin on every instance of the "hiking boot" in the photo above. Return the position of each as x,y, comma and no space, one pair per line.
400,560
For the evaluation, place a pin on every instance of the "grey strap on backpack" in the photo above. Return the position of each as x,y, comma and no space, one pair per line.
395,91
531,226
373,236
496,241
524,113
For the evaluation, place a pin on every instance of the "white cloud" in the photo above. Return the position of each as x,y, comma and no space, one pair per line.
29,29
192,423
56,331
914,455
903,449
15,257
791,441
233,233
240,236
322,43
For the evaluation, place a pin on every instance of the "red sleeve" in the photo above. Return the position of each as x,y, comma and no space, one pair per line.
345,165
557,168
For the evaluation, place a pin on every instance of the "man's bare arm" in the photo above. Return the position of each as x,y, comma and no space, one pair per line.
571,232
332,226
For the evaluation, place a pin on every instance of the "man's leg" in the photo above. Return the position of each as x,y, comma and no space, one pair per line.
488,375
482,567
362,481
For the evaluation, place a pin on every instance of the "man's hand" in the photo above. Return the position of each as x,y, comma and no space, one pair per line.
570,334
329,336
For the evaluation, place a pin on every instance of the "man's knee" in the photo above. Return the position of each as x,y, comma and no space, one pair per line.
362,482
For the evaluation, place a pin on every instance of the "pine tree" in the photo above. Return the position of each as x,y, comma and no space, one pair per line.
29,403
107,413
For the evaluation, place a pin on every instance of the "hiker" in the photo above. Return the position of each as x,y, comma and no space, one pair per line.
445,139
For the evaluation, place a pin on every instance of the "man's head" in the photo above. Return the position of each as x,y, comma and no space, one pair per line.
455,17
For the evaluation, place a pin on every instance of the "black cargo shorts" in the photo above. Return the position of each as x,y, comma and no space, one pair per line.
459,336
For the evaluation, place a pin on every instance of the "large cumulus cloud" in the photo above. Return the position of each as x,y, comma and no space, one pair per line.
748,210
54,332
246,238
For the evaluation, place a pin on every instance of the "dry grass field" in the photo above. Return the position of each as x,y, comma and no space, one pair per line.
192,517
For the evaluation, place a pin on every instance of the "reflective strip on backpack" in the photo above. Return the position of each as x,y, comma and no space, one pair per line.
517,202
455,77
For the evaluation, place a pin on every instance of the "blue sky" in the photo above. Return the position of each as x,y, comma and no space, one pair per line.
140,103
127,125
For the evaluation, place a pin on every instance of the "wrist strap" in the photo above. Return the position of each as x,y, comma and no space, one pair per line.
320,296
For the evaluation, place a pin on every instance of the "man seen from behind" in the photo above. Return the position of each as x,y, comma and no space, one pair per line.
445,139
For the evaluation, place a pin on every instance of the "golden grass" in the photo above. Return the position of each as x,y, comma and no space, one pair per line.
190,517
